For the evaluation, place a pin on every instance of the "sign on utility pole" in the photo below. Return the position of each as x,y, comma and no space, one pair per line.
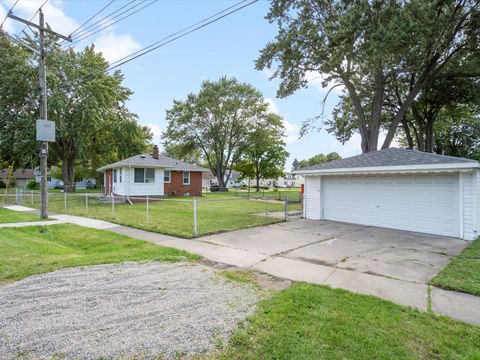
45,128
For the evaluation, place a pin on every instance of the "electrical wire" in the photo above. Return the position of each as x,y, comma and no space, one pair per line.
101,27
179,32
8,12
33,16
149,48
107,17
113,23
90,19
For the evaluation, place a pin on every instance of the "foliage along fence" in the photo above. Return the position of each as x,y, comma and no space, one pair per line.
184,217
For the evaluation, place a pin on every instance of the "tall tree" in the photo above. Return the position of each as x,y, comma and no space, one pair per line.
365,47
265,156
93,124
219,121
457,132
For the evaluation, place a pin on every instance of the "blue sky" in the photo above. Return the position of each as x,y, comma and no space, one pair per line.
228,47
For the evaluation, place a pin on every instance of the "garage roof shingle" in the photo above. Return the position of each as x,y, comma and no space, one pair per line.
390,157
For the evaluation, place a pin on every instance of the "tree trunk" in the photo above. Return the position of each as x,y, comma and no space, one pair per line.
408,135
68,174
374,126
429,134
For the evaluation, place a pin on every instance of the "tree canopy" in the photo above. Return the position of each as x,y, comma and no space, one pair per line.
314,160
372,50
219,121
265,156
88,105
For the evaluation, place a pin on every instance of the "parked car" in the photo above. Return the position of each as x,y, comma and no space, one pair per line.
214,188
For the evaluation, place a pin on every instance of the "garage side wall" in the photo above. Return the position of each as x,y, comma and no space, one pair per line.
469,185
312,202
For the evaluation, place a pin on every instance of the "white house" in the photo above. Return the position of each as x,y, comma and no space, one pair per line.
398,189
289,181
153,175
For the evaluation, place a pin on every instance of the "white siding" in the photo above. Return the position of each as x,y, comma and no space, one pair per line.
468,206
312,208
476,194
443,204
128,187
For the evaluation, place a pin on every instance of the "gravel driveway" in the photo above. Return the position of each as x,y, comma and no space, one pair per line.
121,311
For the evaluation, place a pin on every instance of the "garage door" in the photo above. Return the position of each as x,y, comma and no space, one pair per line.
423,203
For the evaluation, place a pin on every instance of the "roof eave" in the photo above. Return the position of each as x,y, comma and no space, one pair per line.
392,169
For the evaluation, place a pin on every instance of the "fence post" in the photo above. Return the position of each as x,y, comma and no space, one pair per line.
286,207
65,199
147,210
113,206
32,195
266,210
195,230
86,204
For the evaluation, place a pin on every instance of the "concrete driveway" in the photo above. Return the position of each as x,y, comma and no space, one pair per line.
383,252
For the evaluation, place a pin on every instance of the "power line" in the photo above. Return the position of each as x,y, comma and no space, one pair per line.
150,48
106,17
6,16
179,32
97,13
36,12
101,27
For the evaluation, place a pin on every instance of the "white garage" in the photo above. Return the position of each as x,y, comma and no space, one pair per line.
399,189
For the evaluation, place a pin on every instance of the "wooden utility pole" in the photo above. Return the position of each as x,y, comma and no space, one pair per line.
43,101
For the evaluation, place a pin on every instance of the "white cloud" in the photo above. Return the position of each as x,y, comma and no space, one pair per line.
114,47
292,130
8,24
54,15
316,79
157,133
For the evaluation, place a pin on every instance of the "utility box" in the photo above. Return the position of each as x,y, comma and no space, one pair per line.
45,130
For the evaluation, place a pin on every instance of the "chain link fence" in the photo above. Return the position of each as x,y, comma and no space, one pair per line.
184,217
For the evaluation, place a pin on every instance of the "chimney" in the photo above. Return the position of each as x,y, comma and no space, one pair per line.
155,152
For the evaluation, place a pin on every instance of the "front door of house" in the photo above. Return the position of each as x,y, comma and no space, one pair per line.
109,182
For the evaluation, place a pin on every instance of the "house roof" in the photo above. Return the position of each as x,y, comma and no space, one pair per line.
18,174
147,160
390,159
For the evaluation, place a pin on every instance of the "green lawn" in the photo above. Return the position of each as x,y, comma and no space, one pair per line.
175,216
316,322
40,249
462,272
10,216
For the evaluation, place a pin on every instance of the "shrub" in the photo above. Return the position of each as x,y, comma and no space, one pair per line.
33,185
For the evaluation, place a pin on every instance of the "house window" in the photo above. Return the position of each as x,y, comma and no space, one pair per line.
166,176
149,175
139,175
114,176
144,175
186,178
120,173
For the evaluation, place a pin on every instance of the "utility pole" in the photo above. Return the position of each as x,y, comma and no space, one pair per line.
43,104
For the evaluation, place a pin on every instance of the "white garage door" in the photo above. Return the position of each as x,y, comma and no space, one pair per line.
423,203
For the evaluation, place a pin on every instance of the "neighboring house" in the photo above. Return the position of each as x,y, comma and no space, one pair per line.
289,181
83,184
52,183
234,181
208,179
153,175
398,189
21,176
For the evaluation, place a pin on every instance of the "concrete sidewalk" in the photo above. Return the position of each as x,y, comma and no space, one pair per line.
457,305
